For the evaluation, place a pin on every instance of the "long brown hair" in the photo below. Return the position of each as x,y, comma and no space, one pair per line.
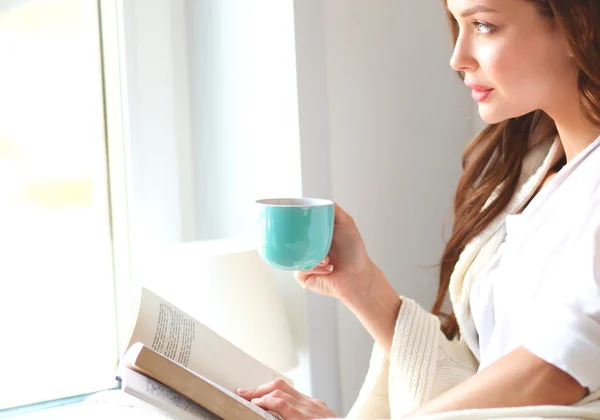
495,156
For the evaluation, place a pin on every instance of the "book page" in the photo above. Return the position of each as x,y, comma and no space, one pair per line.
161,396
171,332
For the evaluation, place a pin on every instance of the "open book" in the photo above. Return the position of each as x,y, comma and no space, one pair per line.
179,365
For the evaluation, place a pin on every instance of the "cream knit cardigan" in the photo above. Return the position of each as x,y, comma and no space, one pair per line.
423,364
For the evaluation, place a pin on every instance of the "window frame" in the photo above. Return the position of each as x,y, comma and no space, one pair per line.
113,58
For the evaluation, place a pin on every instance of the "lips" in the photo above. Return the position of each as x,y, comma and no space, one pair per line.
479,92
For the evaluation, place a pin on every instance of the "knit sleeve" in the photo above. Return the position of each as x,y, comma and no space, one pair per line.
423,364
372,401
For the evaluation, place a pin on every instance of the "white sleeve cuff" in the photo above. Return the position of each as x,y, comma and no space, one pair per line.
568,339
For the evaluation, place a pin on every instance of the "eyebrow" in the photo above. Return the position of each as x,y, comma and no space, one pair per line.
476,9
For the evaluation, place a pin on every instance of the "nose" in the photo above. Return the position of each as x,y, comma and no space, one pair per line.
462,58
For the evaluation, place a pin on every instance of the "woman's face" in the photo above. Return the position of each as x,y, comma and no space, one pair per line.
514,59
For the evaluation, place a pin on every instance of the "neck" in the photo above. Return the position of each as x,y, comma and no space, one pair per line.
575,131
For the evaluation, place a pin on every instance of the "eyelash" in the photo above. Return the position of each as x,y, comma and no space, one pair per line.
479,24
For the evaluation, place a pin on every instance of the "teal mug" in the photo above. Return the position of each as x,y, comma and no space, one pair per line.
295,233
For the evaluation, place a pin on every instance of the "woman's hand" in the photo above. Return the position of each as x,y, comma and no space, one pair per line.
347,271
348,274
280,398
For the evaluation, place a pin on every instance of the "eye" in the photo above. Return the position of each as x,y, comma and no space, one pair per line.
483,28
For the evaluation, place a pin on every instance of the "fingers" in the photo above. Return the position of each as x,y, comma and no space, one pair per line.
287,407
322,269
277,384
280,398
280,402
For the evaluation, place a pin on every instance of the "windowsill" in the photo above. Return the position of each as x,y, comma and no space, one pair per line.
111,404
63,412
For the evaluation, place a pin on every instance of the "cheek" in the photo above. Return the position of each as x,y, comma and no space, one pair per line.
513,73
508,70
519,72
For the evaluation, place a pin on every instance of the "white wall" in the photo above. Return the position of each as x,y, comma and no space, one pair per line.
396,119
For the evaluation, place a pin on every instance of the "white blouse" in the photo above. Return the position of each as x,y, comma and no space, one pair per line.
541,290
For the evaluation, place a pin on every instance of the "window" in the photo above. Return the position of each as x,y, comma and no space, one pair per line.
57,272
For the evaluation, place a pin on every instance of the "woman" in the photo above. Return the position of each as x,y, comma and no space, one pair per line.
522,268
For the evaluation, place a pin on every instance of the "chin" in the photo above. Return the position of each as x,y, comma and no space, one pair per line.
496,112
492,116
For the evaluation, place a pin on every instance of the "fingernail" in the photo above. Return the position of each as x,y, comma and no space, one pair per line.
254,400
323,262
242,391
330,268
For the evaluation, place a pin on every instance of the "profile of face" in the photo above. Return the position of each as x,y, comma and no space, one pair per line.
515,59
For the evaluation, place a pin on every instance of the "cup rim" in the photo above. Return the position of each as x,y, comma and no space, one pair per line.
294,202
